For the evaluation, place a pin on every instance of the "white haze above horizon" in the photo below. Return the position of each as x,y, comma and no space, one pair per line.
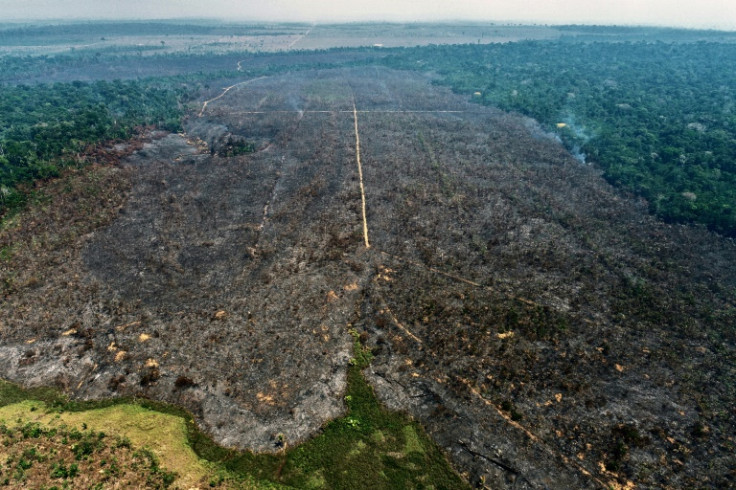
710,14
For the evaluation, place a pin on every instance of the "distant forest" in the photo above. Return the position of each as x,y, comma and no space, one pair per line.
659,119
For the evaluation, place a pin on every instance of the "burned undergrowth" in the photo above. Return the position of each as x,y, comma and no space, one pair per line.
541,326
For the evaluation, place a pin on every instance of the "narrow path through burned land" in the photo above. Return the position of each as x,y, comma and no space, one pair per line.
360,177
225,91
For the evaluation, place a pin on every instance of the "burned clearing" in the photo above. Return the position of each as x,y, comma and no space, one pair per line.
541,325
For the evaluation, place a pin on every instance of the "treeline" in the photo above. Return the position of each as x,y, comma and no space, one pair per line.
588,33
659,118
42,127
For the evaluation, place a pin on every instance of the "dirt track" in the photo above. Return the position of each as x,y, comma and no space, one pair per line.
360,177
225,91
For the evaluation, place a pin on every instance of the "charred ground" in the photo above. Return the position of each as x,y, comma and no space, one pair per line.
542,327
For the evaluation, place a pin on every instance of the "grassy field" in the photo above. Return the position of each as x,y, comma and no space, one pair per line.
125,443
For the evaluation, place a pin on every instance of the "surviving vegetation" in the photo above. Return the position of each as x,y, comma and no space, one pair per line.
312,258
45,128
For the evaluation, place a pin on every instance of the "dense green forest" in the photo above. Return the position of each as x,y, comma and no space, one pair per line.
42,127
658,118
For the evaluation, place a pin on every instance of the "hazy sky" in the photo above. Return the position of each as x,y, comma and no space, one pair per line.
690,13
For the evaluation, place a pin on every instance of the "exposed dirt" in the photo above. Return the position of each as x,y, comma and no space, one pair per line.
543,327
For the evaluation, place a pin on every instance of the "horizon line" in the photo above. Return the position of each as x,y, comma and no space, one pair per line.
448,21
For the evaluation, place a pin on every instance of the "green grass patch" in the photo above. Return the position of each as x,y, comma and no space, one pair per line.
371,447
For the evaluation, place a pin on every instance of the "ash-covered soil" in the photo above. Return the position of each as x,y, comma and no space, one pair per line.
545,330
